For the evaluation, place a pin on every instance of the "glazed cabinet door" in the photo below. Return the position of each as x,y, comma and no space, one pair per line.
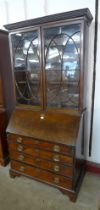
26,67
47,63
62,64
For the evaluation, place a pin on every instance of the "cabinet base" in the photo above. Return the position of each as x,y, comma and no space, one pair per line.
71,194
4,161
13,174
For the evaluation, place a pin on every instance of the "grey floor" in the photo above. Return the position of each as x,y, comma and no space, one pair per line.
24,194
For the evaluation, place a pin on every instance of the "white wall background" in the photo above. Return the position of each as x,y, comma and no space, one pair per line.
96,125
14,11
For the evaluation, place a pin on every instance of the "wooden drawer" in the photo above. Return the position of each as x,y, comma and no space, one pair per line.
41,144
42,175
48,165
36,152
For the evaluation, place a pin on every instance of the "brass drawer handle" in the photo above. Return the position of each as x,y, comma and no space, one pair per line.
21,157
56,168
56,180
56,148
19,139
22,168
20,148
56,158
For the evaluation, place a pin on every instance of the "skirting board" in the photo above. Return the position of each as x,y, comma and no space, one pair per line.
93,167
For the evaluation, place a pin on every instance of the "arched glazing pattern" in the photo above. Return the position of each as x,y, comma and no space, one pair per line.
62,66
26,67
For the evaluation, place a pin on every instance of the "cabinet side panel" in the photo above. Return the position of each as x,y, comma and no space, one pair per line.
80,153
6,73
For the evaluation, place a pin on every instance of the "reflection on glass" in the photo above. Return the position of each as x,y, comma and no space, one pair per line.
27,67
62,65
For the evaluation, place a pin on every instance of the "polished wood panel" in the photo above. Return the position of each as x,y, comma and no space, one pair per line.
42,175
55,127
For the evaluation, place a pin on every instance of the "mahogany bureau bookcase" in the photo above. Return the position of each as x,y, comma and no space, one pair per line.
46,129
6,95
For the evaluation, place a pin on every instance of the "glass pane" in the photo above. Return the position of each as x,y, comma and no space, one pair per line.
62,65
27,67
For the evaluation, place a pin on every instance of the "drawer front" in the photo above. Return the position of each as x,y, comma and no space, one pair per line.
48,165
42,175
41,144
36,152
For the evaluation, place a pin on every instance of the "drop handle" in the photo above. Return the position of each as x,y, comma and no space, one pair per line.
21,157
19,139
56,158
20,148
56,148
56,168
